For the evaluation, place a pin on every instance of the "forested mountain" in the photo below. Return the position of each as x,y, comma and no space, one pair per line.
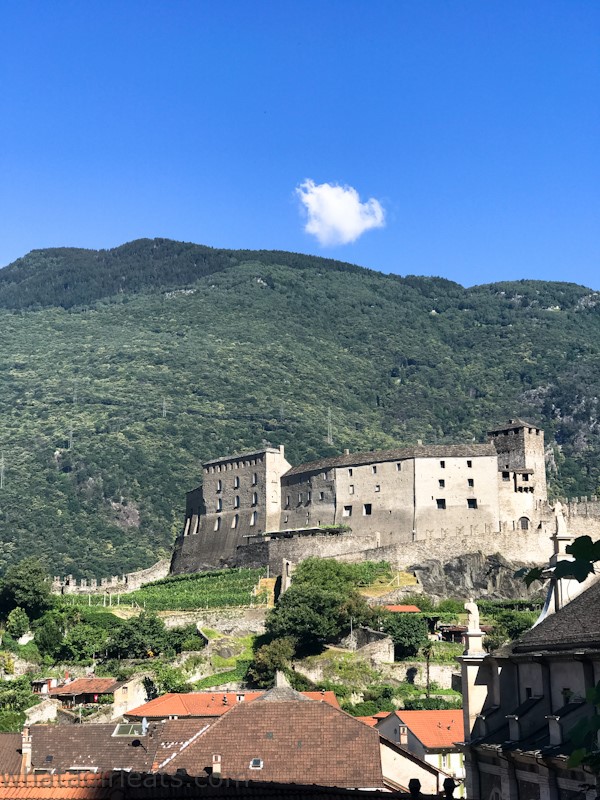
123,369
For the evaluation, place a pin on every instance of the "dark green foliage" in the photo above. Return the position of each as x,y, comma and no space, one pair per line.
431,703
26,586
15,698
140,637
252,347
409,632
17,623
270,658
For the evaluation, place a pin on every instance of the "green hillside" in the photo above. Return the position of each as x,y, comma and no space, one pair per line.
160,354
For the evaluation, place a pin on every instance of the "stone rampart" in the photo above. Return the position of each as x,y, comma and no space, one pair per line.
113,585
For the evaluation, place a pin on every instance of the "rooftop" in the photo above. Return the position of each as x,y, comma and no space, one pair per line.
514,424
404,609
400,454
238,456
85,686
434,729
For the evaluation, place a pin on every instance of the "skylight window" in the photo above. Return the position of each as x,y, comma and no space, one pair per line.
129,729
256,763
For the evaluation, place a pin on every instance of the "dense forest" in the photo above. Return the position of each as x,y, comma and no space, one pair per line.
123,369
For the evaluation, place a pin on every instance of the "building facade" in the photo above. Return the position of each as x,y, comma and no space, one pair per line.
383,498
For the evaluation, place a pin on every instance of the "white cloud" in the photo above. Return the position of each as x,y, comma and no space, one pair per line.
335,213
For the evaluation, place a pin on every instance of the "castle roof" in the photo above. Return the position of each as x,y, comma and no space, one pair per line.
237,456
399,454
514,424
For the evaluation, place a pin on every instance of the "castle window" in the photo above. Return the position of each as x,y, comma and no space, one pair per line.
234,521
300,498
254,479
288,500
347,512
399,466
351,489
254,499
469,464
253,518
308,496
236,482
218,524
471,503
374,469
321,495
524,524
471,483
220,504
219,485
377,487
506,476
525,477
441,503
350,473
367,509
236,502
285,519
442,483
443,464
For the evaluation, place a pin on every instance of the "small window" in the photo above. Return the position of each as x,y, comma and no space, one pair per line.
506,476
308,497
377,487
443,464
218,524
444,761
349,473
399,466
321,495
253,518
469,464
367,509
285,519
470,482
528,692
442,483
441,503
220,504
254,499
524,524
288,500
525,477
471,503
256,763
254,478
234,521
374,469
347,512
300,498
236,502
351,489
219,485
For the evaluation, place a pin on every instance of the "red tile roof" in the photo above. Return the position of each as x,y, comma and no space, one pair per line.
370,721
85,686
10,753
297,741
435,729
207,704
404,609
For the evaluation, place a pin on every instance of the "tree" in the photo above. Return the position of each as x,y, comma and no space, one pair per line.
49,636
17,623
428,651
408,631
26,585
141,637
270,658
84,642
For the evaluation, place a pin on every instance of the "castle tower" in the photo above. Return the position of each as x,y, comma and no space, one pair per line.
520,448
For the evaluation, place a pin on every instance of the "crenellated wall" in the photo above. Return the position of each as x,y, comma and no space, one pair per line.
113,585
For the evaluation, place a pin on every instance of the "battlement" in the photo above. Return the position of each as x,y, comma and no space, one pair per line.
112,585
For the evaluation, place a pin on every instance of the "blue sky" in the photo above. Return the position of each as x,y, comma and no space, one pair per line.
474,126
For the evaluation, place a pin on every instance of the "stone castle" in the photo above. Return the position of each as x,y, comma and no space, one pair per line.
402,505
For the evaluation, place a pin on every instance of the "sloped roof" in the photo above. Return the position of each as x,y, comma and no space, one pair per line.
514,424
207,704
297,742
85,686
377,456
61,747
404,609
576,625
10,753
435,729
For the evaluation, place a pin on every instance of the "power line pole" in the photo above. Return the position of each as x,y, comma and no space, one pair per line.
71,438
164,407
329,427
2,470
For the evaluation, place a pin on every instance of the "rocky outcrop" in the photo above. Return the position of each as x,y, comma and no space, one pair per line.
472,575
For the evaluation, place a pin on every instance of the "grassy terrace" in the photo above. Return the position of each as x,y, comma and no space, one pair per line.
221,589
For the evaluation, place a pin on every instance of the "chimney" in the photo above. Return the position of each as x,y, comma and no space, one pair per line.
216,764
26,751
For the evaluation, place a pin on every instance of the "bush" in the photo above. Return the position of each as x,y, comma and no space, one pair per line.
408,631
17,623
270,658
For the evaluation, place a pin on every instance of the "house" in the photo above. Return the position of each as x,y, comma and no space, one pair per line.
431,735
522,701
280,737
91,691
43,685
205,705
406,609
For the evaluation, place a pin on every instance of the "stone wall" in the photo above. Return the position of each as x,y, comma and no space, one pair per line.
113,585
374,646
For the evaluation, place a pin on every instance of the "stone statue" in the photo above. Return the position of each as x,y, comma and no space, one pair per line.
473,623
561,524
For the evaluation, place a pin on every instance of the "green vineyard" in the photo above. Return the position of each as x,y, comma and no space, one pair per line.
221,589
